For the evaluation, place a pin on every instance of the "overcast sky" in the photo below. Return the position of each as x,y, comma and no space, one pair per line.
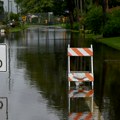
6,5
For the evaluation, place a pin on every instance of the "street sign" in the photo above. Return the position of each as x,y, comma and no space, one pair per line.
24,18
3,108
3,57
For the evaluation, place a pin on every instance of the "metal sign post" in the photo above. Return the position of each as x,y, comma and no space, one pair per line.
3,108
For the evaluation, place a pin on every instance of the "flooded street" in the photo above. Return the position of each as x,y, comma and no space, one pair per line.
36,82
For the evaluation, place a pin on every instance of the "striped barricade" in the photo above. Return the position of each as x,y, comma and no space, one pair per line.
80,93
81,116
83,76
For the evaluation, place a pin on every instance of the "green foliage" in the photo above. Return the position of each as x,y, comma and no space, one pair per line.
14,16
93,20
37,6
59,7
30,6
115,13
112,27
76,14
68,26
113,42
87,5
76,26
114,3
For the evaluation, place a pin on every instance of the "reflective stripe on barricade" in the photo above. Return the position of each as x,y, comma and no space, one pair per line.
80,52
81,116
80,77
80,93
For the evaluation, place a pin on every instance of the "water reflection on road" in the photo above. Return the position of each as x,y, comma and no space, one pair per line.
107,84
36,80
35,83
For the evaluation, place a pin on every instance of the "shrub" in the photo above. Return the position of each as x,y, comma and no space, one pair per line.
14,16
67,26
94,19
76,26
112,27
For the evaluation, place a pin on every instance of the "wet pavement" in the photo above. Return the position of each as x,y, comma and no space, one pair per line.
36,79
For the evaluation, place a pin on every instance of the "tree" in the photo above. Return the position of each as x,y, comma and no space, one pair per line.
71,7
34,6
60,6
94,19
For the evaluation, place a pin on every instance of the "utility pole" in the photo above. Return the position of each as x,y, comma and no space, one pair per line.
17,8
10,5
8,11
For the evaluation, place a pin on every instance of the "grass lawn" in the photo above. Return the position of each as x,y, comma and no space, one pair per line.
17,29
93,36
112,42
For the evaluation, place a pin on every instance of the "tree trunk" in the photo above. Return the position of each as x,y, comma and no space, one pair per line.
71,7
71,19
104,11
107,6
97,2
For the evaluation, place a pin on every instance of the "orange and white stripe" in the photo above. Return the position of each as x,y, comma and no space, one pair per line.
80,52
80,93
81,116
88,77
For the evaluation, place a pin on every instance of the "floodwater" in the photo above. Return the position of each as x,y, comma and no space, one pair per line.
35,83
